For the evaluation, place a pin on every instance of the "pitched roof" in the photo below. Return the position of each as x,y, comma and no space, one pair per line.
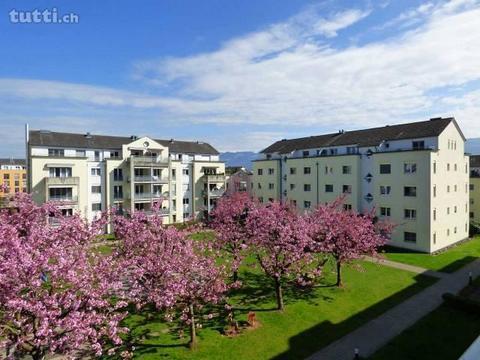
12,161
91,141
366,137
475,161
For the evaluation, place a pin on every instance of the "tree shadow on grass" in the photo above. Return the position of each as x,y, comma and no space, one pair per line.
317,337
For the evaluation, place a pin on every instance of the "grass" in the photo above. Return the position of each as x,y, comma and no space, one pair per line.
444,334
312,319
448,261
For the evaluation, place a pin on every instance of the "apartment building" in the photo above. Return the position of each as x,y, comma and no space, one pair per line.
475,188
238,179
13,177
415,174
89,173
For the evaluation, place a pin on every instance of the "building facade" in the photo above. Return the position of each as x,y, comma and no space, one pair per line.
475,188
239,179
89,173
13,177
416,175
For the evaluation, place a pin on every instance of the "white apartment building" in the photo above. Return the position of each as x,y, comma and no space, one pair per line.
416,175
89,173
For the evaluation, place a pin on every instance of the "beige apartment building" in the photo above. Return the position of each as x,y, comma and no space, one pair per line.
415,175
89,173
475,188
13,178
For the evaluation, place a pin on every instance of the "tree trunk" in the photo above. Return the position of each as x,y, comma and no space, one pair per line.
38,354
193,332
235,276
339,274
278,292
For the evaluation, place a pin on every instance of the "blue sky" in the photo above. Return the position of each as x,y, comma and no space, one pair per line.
239,74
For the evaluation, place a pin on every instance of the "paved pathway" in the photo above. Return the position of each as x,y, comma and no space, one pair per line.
378,332
407,267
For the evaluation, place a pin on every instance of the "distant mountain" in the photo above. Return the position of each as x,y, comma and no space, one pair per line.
240,158
473,146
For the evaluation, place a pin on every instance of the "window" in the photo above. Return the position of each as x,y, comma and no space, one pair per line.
118,192
455,188
307,204
96,189
434,190
385,211
410,191
56,194
434,238
293,171
117,175
472,187
259,185
260,199
434,167
271,171
455,209
80,153
434,214
67,212
409,168
472,215
60,172
259,171
347,207
307,187
292,186
455,230
410,237
418,145
271,186
306,153
333,151
293,203
307,170
352,150
186,201
95,171
6,176
448,188
96,207
385,169
448,210
448,232
346,169
455,167
185,172
328,188
410,214
115,154
385,190
448,167
347,189
56,152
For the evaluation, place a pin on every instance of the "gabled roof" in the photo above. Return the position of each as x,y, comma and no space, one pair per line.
91,141
367,137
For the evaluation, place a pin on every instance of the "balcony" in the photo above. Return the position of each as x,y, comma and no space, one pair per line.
61,181
215,177
151,179
64,199
150,195
213,193
150,161
161,212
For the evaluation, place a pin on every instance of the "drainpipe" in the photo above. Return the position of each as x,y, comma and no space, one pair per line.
318,184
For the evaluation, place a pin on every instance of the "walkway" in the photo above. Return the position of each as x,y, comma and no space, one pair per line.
378,332
406,267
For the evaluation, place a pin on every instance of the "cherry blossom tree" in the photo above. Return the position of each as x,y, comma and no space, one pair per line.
228,219
166,268
55,292
280,240
346,235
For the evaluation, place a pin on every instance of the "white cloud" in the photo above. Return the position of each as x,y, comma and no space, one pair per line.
342,20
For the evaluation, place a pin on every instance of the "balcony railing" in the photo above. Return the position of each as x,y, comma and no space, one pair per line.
150,195
153,179
162,212
214,192
150,161
63,199
52,181
215,177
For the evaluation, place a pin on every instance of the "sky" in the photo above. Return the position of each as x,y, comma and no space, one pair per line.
239,74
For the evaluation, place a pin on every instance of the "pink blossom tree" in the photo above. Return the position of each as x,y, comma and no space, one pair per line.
346,235
167,269
229,222
55,292
281,242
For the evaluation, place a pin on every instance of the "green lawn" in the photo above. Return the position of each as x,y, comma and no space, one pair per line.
311,319
447,261
444,334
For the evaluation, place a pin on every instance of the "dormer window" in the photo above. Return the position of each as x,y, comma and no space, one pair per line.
306,153
418,145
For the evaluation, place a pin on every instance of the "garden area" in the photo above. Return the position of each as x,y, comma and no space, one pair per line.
255,281
447,261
